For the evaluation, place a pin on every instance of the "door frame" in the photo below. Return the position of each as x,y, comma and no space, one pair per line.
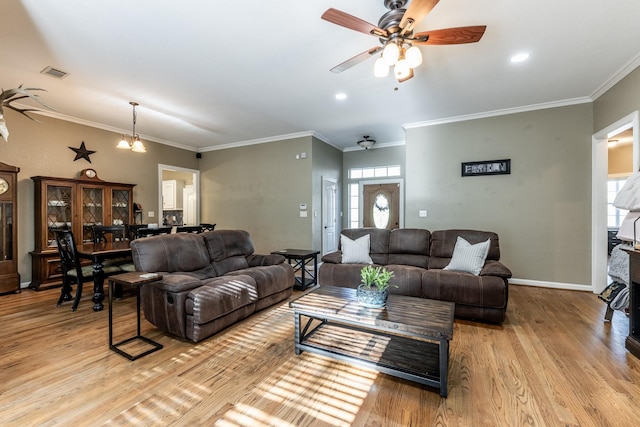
599,176
361,185
196,187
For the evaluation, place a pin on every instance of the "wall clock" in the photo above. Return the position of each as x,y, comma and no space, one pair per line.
89,173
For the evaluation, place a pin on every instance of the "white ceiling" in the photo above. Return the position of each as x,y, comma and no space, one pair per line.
211,74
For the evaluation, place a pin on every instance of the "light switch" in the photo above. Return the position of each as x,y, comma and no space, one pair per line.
422,213
303,214
151,214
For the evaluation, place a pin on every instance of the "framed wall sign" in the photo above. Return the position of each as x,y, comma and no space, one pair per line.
487,167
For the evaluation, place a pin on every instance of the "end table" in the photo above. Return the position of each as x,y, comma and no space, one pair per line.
135,280
302,259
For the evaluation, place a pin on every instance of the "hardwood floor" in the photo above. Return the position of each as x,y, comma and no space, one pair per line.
554,362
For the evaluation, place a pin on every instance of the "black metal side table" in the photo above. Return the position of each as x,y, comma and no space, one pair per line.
135,280
301,260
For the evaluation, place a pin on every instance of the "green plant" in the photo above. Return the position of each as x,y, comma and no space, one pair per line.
376,277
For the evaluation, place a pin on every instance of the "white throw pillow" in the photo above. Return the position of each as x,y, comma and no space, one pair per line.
467,257
355,251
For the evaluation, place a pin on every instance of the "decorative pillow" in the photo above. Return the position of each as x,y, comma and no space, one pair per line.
355,251
467,257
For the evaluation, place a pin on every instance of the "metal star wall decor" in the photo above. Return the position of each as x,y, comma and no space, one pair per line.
82,153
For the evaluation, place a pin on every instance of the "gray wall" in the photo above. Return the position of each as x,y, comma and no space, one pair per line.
618,102
326,163
541,211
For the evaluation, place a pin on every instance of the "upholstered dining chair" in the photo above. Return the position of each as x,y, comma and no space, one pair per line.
113,233
72,269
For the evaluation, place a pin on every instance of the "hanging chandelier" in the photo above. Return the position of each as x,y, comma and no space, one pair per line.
132,142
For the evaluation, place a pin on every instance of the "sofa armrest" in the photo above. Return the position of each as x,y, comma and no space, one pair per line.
333,257
495,268
175,282
257,260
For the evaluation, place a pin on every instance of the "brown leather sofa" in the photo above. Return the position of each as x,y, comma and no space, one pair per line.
209,281
417,258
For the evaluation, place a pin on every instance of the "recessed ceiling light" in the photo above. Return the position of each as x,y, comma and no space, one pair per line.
341,96
520,57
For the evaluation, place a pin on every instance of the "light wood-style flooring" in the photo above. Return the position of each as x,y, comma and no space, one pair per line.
554,362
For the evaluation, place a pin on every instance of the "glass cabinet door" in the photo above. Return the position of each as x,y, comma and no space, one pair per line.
120,207
6,231
92,199
59,210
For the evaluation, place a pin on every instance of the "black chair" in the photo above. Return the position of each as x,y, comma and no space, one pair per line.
72,269
207,227
148,232
113,233
189,229
131,230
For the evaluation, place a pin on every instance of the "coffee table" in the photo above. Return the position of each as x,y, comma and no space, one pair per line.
409,338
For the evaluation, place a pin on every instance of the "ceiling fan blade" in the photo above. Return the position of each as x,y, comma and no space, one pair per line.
417,10
459,35
356,59
343,19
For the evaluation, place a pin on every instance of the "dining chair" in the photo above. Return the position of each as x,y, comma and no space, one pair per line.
113,233
148,232
207,227
189,229
72,270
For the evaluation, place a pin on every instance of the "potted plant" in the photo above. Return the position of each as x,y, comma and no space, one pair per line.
373,291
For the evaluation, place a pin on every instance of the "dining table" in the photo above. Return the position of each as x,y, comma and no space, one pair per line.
98,253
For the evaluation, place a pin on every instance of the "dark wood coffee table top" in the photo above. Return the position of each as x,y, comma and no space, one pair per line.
405,315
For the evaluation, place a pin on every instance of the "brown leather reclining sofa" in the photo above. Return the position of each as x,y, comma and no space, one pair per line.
209,281
417,258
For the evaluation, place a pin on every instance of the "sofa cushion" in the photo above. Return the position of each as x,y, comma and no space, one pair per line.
464,288
468,258
355,251
269,279
219,296
228,249
409,246
172,252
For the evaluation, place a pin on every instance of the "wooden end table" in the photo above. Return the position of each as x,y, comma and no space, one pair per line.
409,338
135,280
302,259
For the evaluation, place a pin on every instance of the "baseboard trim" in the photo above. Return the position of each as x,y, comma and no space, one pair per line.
551,285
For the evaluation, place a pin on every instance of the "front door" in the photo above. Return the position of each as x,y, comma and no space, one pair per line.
381,205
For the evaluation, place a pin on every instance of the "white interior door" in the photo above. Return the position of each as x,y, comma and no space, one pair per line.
329,216
189,207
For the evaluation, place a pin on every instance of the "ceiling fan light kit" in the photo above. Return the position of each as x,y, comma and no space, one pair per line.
399,43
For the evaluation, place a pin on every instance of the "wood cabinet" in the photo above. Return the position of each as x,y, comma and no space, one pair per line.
76,204
9,276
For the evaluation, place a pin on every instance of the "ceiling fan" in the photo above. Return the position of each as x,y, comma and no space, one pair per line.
398,42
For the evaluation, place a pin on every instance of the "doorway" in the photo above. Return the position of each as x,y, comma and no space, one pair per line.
599,215
178,195
329,215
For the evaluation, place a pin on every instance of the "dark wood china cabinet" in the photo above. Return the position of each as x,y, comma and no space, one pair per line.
75,204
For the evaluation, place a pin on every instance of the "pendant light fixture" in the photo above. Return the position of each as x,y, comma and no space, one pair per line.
132,142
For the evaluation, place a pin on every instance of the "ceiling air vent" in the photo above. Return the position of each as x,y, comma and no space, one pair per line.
54,72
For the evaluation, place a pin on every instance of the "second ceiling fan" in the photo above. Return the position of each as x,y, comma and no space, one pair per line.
399,45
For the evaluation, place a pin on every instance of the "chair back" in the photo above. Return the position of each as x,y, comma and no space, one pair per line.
68,252
189,229
207,227
108,233
147,232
